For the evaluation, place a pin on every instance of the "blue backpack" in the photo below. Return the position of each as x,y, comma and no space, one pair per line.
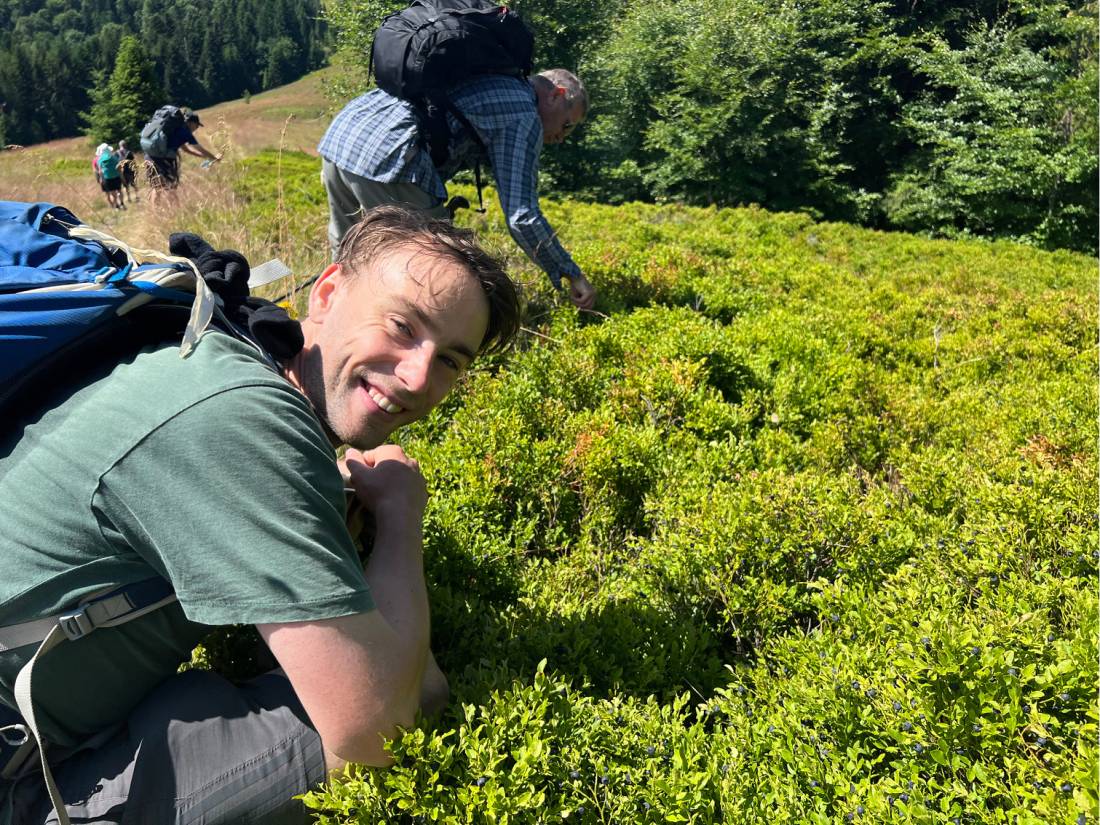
68,293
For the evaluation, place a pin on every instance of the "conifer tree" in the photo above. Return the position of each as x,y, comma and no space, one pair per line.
122,104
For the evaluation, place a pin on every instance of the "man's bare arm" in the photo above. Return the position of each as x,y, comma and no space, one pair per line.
359,677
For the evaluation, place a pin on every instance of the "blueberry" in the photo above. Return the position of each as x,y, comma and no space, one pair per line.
924,640
1066,787
481,780
604,780
834,617
813,783
771,728
859,810
1042,741
740,690
871,693
907,725
646,806
1013,672
976,728
975,651
650,751
574,774
849,817
580,810
1081,819
904,797
918,748
855,684
1051,637
1025,707
748,712
909,784
897,705
1063,697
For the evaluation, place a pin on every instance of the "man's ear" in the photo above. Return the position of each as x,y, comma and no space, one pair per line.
322,295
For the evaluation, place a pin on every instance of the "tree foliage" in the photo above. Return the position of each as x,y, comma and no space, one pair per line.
52,55
121,106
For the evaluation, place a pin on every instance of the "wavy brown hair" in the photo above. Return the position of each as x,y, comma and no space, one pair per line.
388,227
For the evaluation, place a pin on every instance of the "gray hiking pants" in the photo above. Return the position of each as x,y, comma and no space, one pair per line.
349,195
198,749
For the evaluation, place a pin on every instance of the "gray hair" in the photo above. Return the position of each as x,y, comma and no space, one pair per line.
575,93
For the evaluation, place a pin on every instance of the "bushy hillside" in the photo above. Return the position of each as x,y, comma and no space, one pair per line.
800,526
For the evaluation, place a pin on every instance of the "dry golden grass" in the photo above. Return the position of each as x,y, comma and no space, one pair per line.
291,118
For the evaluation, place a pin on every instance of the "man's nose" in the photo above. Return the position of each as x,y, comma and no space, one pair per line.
415,368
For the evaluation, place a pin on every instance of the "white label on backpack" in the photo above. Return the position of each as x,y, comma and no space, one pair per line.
267,272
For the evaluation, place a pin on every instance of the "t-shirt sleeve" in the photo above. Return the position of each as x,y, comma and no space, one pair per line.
181,136
237,500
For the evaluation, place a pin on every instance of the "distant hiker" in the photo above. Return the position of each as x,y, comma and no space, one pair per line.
95,163
218,475
127,165
170,130
110,179
375,152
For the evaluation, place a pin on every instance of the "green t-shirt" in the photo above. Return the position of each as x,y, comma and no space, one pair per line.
211,471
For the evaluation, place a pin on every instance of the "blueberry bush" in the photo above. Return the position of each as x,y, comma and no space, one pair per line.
800,526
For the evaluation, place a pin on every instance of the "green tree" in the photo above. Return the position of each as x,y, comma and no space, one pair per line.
281,60
123,102
1006,138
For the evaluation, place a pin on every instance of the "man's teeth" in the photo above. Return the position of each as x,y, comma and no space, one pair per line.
384,402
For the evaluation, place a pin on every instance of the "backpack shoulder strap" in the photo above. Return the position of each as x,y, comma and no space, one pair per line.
117,606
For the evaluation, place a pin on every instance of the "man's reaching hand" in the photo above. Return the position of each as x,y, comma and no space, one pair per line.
581,292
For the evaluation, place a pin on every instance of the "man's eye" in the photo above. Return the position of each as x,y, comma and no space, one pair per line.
451,363
402,327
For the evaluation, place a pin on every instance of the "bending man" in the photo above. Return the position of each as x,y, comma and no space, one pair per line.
375,153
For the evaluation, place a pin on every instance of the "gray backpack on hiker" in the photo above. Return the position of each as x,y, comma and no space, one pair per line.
154,137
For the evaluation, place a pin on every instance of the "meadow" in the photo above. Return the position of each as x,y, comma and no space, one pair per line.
800,525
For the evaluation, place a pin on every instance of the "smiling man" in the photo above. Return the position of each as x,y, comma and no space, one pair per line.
375,152
219,474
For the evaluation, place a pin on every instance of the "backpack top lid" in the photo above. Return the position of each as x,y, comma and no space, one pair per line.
62,284
433,45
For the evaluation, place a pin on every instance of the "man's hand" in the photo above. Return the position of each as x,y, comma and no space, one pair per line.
581,292
387,482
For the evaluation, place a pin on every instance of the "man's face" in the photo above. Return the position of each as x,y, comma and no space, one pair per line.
558,118
388,343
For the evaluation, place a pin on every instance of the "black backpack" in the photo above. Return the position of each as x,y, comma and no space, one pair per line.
154,137
424,50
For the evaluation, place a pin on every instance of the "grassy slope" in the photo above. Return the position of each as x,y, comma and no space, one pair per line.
857,468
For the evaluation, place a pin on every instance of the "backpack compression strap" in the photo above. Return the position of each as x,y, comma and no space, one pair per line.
117,606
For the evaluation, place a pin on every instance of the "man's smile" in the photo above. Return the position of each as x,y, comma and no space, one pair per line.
385,403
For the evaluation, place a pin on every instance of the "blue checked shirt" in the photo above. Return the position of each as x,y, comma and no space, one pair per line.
376,136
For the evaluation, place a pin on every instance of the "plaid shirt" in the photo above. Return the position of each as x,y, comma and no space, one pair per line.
377,137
